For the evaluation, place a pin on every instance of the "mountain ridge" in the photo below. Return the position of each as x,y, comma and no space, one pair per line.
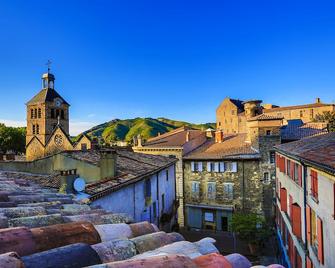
125,129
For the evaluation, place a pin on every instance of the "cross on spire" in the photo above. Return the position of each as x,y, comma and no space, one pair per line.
48,64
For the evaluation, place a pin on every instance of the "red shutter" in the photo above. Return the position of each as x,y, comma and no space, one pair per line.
320,240
290,202
296,220
308,220
292,170
300,175
308,262
283,199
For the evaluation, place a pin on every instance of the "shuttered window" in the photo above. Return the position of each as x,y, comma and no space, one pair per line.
222,167
320,240
195,186
290,203
308,221
296,220
228,189
211,190
314,184
283,199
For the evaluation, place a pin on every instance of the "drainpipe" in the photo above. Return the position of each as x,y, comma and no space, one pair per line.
243,185
305,204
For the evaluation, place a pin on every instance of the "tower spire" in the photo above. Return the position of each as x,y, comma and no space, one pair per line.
48,64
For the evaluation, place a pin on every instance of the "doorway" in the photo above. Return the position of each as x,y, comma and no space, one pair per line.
224,224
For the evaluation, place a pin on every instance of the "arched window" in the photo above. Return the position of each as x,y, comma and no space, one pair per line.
35,113
57,113
62,114
39,112
52,113
33,129
31,113
37,129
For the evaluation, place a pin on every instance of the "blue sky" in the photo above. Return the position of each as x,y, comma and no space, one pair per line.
176,59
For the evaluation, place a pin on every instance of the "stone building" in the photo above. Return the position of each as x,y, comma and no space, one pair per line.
232,172
232,114
220,178
177,142
48,123
305,201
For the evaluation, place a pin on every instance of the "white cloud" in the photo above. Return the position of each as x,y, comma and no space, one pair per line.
13,123
76,127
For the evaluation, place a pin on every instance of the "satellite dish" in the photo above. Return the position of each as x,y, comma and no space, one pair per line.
79,184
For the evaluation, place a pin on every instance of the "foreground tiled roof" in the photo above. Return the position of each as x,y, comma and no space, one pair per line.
46,95
232,147
318,149
174,138
302,130
312,105
42,228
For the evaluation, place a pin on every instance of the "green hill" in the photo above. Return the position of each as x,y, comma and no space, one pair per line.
125,130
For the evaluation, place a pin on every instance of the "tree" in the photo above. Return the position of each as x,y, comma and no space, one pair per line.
327,117
250,228
12,139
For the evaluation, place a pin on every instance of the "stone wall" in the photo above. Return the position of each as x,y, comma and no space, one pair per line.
247,193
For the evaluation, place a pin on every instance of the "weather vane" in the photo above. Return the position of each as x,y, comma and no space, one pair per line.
48,64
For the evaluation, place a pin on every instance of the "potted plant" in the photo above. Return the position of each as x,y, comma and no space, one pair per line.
250,228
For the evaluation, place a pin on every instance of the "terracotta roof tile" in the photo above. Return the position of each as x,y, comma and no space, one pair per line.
173,138
264,117
233,147
312,105
302,130
318,149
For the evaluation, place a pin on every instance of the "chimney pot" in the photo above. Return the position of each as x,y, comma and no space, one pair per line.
187,136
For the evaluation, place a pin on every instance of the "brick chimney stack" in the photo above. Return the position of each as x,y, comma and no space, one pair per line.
317,100
188,136
107,163
219,136
66,180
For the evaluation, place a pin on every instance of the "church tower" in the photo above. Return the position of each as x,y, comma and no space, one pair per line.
45,111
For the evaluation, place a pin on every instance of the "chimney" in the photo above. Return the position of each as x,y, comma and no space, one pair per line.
67,177
209,133
318,100
107,163
139,140
219,136
187,136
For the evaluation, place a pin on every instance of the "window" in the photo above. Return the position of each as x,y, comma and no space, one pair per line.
196,166
163,203
31,113
37,129
228,190
35,113
232,112
211,190
57,113
315,232
83,146
219,124
167,174
231,166
154,208
39,113
209,216
62,114
283,199
272,157
34,129
314,184
296,173
301,114
195,189
266,177
311,114
268,132
147,188
52,113
288,167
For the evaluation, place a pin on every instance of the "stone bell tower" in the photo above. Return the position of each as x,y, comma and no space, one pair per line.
46,111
